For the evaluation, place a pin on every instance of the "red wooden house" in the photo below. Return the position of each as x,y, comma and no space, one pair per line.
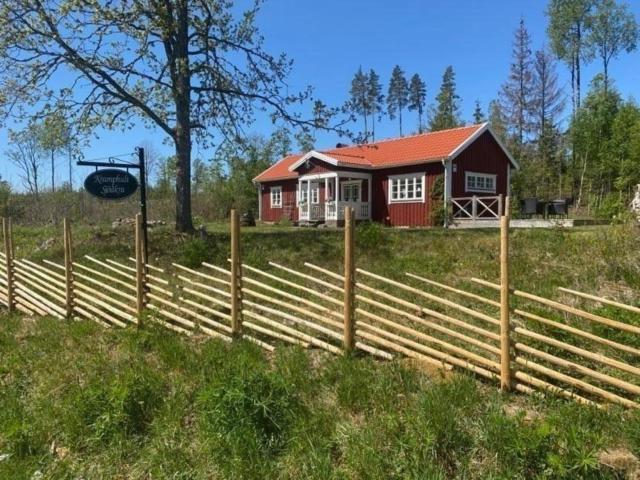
391,181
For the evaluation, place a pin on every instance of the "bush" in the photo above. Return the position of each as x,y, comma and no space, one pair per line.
195,251
612,207
371,236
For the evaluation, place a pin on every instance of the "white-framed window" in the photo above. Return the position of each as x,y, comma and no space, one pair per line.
351,191
276,197
315,192
406,188
302,195
480,182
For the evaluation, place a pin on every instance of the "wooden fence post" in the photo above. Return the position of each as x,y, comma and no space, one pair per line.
68,268
236,306
141,279
505,327
8,252
349,281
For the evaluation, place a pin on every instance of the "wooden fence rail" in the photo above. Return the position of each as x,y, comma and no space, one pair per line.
445,326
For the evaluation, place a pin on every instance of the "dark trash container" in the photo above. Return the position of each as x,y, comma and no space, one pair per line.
247,219
528,207
557,208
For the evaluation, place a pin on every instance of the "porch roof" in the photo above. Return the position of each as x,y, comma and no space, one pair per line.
422,148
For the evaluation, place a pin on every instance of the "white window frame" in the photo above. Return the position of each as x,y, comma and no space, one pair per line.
477,175
349,183
315,192
275,191
415,178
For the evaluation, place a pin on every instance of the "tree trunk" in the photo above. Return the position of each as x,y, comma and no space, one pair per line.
400,118
53,173
366,128
373,125
584,171
578,48
182,138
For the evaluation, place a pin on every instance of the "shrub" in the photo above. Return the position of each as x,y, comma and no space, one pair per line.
195,251
371,236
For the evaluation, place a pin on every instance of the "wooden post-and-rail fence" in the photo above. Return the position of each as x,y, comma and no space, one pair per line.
342,312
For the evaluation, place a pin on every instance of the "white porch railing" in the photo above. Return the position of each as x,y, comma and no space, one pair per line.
333,212
476,208
311,212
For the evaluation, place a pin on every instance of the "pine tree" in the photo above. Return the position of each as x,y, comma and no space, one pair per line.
478,115
359,101
375,100
446,112
417,98
516,92
398,95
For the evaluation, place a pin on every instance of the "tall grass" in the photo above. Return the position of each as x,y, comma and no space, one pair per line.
78,401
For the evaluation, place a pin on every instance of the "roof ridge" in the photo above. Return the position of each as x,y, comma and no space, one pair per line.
336,151
391,139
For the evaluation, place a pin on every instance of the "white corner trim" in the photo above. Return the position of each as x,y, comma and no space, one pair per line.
313,154
421,175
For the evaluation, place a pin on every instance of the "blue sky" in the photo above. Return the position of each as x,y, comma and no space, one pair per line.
328,40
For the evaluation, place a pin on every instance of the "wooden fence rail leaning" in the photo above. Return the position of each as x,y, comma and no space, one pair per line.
516,339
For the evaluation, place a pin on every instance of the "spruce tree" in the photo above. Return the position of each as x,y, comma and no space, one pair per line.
497,121
398,95
359,101
547,99
516,92
417,98
446,112
375,99
478,116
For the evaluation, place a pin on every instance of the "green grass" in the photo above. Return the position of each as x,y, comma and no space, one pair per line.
79,401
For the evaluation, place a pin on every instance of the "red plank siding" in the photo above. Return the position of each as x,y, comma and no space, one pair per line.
270,214
482,156
410,214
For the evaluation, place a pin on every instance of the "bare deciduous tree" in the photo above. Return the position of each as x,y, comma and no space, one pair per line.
26,154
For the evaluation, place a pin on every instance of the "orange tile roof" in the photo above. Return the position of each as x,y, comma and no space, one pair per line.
421,148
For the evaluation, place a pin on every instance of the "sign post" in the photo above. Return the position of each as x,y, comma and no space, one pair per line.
113,183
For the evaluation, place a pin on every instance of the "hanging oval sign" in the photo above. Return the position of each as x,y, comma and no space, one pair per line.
111,184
